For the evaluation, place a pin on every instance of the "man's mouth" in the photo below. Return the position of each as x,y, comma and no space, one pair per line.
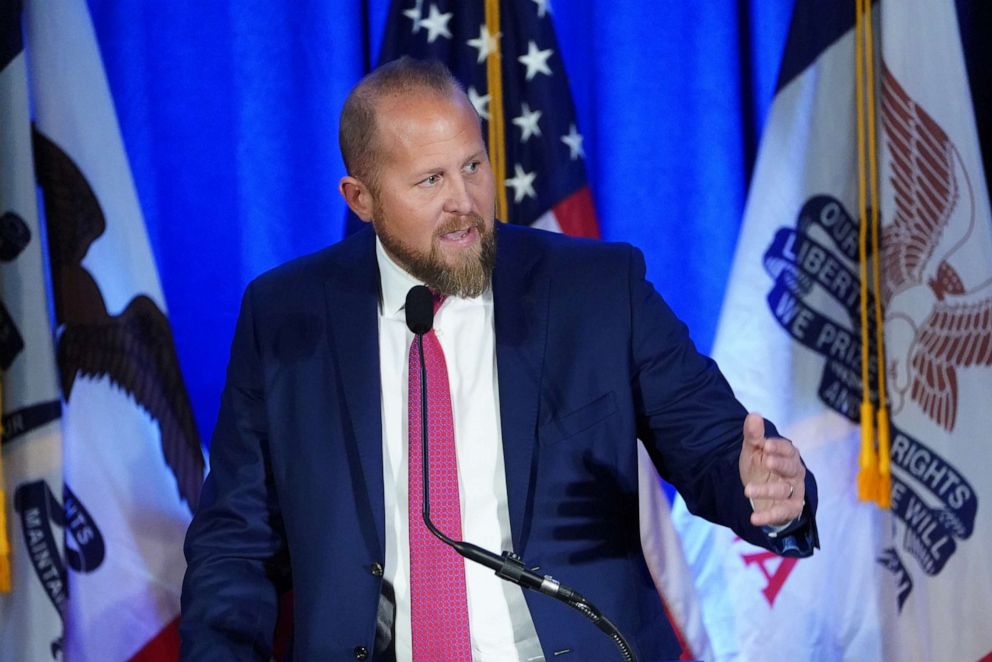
460,236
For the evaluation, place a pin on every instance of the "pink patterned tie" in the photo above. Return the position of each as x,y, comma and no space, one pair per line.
438,604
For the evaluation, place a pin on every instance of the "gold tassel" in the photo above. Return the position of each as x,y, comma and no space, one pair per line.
868,478
5,583
883,495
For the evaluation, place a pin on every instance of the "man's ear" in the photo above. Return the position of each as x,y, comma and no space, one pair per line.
358,197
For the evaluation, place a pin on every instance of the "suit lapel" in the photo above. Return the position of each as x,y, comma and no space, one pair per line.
352,299
520,299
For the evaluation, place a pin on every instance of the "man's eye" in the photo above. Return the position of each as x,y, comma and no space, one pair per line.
431,180
472,166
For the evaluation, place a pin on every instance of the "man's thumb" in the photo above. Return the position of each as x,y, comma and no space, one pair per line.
754,429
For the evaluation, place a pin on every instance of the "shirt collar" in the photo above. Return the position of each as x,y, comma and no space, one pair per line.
395,282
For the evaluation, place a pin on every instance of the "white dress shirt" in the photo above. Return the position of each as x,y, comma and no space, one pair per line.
500,623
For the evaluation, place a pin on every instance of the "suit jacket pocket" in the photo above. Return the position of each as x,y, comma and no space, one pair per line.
579,420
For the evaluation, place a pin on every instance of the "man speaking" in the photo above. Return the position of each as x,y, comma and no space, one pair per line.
546,359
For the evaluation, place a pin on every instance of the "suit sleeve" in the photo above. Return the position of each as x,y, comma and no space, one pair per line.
692,425
235,547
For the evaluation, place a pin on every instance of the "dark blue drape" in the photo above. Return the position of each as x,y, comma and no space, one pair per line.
229,114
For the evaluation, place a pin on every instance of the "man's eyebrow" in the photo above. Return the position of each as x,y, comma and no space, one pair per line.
426,172
434,170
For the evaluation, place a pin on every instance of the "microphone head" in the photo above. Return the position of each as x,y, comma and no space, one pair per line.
419,309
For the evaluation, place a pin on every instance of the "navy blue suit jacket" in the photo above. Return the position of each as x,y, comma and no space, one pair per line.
589,358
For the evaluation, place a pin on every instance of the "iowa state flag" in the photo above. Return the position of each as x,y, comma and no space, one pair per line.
936,268
131,464
789,342
913,583
31,624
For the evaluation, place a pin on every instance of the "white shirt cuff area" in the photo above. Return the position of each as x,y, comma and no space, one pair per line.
772,531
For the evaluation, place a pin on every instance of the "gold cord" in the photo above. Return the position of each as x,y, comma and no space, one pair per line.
868,479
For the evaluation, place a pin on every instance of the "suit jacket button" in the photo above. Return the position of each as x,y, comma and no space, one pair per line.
361,653
376,569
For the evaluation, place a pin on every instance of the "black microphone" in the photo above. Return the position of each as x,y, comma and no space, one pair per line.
419,309
509,566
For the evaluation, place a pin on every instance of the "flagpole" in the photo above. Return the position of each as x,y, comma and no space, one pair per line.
497,142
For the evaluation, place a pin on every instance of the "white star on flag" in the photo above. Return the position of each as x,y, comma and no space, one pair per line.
543,7
415,14
536,60
436,24
574,141
522,184
480,101
486,43
527,121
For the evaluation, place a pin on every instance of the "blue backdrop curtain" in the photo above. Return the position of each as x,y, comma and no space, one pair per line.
229,115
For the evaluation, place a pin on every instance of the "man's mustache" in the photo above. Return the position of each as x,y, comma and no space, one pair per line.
459,223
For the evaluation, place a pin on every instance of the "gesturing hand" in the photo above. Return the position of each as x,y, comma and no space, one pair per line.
773,475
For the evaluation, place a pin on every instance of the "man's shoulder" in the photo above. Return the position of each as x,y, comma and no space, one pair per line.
561,247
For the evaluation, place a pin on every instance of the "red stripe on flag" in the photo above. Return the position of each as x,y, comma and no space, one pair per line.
163,646
676,628
576,215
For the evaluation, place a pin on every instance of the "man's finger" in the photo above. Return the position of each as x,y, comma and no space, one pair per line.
786,467
778,490
779,446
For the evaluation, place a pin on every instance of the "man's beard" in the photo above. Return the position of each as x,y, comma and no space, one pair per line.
469,277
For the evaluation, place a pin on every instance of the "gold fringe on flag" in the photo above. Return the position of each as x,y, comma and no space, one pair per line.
497,121
874,475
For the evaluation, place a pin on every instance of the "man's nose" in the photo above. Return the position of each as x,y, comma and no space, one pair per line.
458,200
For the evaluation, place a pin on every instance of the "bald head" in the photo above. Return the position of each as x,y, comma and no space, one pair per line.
357,131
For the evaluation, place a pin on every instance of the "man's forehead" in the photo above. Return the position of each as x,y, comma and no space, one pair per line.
421,120
418,103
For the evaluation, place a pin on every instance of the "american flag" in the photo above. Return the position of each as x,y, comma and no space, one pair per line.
545,176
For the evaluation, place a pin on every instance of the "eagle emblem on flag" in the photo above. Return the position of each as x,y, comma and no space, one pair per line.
941,323
133,349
